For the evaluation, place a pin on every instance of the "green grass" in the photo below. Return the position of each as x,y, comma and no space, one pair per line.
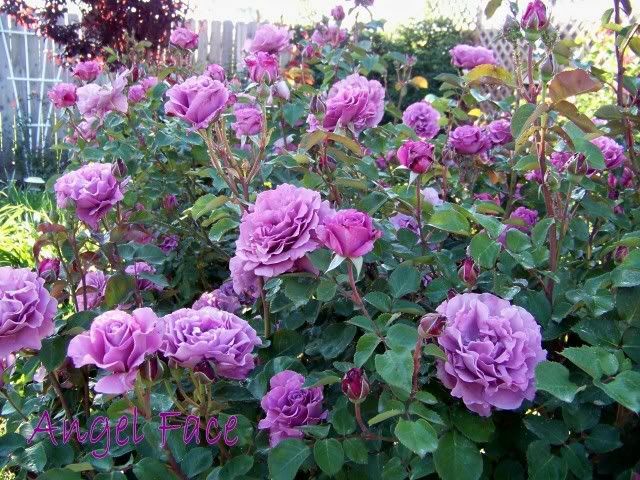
21,211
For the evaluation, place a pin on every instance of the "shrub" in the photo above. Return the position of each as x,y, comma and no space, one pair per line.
246,294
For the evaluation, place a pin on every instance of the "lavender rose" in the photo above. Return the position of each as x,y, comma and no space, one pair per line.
194,336
216,72
94,101
613,152
184,38
499,132
270,39
329,35
416,156
169,243
26,310
142,283
92,189
356,102
220,298
248,120
288,406
492,350
63,95
525,218
469,140
197,100
49,269
423,118
349,233
535,16
432,196
467,56
95,282
279,230
87,71
118,343
136,93
262,67
400,220
337,13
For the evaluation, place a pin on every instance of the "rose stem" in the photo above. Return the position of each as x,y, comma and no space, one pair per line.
419,213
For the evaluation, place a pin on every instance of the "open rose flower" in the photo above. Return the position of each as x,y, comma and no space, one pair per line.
95,101
262,67
223,298
417,156
492,350
87,71
278,231
468,57
198,100
137,270
63,95
288,406
92,189
216,72
349,233
117,342
612,152
270,39
184,38
26,310
354,102
469,140
400,220
248,119
423,118
499,132
191,337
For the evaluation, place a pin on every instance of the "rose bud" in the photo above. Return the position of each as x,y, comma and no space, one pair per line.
119,168
151,369
468,271
416,156
626,180
620,253
169,202
431,325
535,16
355,385
49,269
317,105
204,371
281,90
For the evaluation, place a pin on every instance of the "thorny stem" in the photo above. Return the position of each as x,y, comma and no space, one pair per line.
266,317
419,214
13,404
56,387
355,295
417,356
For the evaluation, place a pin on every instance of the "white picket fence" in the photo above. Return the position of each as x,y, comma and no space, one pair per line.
29,66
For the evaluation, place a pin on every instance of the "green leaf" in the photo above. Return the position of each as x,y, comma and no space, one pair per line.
484,250
596,361
286,458
520,117
475,428
517,241
329,455
53,351
447,218
381,417
628,305
335,339
221,227
624,389
34,458
549,429
152,469
418,436
457,458
61,474
365,347
402,337
396,368
570,83
403,280
119,287
355,450
577,460
235,467
293,112
542,464
553,378
491,7
196,461
326,290
631,343
379,300
343,422
603,439
207,204
539,231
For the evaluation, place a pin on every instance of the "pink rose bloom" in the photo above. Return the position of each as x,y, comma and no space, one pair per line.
169,243
87,130
469,140
416,156
191,337
329,35
487,197
560,160
94,101
63,95
149,82
216,72
184,38
118,343
279,230
288,406
262,67
248,120
92,189
349,233
137,270
245,282
356,102
613,152
96,286
49,269
499,132
400,220
423,118
535,16
431,196
270,39
467,56
136,93
337,13
197,100
87,71
312,123
534,176
223,298
26,310
492,350
526,218
6,367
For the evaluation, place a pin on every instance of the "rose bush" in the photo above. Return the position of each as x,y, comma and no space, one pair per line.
450,291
